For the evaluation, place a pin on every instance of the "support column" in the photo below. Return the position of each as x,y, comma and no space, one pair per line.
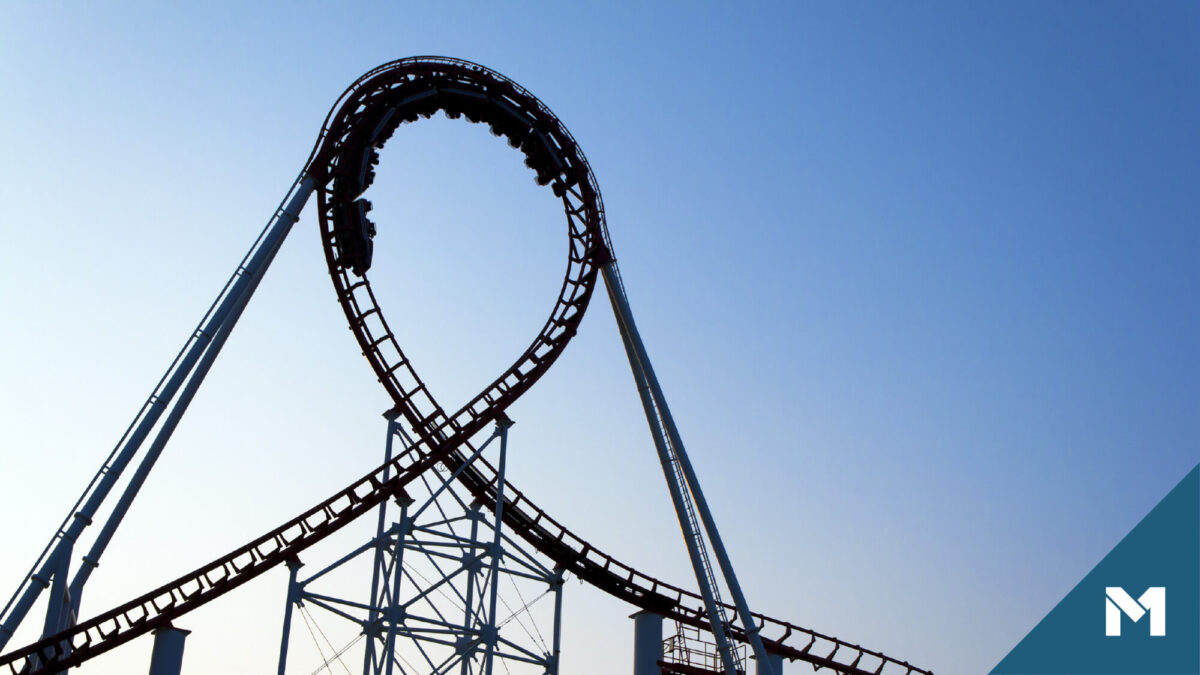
394,610
677,471
58,611
497,552
293,595
206,341
467,641
776,665
373,663
167,657
647,643
557,585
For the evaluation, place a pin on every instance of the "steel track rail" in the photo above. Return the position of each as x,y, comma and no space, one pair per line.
356,128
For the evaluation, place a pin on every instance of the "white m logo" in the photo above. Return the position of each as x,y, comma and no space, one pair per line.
1152,602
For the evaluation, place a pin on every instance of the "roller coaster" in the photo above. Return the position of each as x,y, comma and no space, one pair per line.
340,170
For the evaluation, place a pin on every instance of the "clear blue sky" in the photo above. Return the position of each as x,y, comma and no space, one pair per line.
920,282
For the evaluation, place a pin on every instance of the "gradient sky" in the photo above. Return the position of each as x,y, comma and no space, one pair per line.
920,282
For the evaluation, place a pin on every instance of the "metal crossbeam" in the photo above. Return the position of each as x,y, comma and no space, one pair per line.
440,575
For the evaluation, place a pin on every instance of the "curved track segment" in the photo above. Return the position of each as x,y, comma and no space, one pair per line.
357,127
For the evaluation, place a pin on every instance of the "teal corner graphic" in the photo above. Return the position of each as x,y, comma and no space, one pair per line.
1137,612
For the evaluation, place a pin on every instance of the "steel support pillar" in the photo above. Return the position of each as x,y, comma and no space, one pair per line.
58,612
442,580
393,609
496,551
186,372
774,665
688,498
647,643
557,585
167,656
659,420
293,596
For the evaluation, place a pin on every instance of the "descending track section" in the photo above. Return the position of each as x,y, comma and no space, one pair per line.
357,127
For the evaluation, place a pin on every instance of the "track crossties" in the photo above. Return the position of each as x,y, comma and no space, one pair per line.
360,123
367,115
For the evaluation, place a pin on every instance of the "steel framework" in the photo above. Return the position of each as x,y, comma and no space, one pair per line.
442,577
340,170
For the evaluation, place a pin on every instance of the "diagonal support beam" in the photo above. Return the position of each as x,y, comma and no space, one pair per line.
672,452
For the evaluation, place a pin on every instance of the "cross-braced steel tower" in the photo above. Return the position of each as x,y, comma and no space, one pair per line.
451,591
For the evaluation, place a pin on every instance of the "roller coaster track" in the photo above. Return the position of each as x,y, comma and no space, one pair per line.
342,163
